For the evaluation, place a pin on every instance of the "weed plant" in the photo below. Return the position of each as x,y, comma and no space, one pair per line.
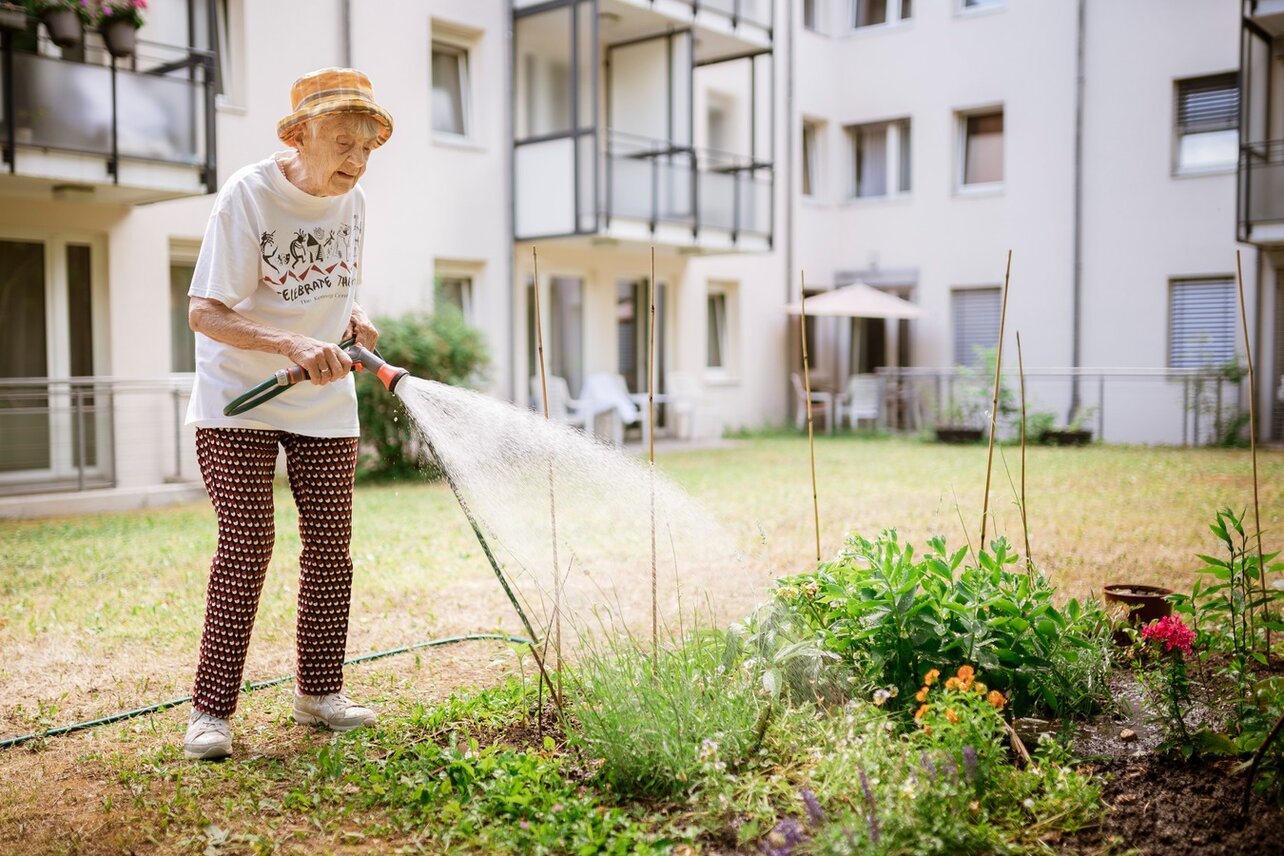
892,616
659,726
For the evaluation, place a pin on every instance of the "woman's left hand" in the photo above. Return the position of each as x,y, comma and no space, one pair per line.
360,327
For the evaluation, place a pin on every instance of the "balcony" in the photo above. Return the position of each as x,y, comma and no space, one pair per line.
1261,193
749,20
629,128
1260,203
76,124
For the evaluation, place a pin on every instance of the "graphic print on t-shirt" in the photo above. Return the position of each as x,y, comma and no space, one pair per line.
314,263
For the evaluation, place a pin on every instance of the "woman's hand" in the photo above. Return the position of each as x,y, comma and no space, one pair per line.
323,361
360,327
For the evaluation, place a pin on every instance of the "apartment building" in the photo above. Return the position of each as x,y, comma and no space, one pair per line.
1098,141
906,145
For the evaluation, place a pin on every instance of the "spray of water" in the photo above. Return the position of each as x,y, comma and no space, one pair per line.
499,457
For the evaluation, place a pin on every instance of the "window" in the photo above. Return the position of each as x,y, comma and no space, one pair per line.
982,148
1207,123
880,157
182,341
811,15
562,313
982,4
449,89
720,322
976,322
869,13
1202,318
811,132
457,291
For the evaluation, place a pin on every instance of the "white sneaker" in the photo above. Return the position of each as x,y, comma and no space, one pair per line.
208,737
335,711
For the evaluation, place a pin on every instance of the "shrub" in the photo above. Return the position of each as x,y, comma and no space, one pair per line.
441,347
894,616
659,729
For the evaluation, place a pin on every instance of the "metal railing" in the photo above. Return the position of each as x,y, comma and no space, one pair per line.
155,107
1145,405
87,433
657,181
1261,184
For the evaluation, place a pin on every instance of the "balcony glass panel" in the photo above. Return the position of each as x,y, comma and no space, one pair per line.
159,119
545,197
717,200
587,167
631,187
62,105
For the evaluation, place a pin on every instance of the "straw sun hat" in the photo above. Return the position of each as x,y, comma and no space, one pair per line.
333,90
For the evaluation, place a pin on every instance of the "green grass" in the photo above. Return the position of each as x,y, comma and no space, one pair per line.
98,614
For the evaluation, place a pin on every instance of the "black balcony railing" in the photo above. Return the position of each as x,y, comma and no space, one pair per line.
658,182
1261,186
156,107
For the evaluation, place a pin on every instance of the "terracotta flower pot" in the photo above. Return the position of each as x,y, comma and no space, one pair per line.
1144,604
120,37
63,26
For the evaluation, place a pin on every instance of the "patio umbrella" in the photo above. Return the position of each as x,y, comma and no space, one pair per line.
857,300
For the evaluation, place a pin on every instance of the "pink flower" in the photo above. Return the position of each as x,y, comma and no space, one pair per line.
1172,632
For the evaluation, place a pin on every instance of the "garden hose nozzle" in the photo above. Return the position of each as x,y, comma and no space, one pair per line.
283,379
364,360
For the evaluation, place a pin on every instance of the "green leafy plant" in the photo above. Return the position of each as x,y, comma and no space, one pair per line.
83,8
663,727
129,11
440,347
893,616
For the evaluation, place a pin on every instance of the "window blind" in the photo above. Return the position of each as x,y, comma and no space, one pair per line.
976,323
1202,323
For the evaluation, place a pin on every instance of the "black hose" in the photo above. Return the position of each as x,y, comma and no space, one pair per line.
164,705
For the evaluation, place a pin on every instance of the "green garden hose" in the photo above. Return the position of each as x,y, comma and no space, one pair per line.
164,705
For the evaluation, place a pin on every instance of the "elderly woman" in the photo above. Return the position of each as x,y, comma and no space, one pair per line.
276,283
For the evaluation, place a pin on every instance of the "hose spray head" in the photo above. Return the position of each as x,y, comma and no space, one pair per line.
364,360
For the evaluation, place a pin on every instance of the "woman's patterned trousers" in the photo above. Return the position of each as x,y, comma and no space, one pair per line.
237,465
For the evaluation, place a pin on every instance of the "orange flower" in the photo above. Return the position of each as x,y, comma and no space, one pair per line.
918,714
927,729
951,716
921,695
966,673
952,684
931,676
996,698
980,688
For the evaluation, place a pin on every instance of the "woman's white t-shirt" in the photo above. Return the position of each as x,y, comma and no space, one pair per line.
287,259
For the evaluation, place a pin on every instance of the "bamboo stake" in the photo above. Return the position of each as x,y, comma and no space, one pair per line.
552,496
811,441
994,406
650,422
1252,441
1025,523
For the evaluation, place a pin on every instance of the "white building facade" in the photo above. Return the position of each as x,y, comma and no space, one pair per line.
908,145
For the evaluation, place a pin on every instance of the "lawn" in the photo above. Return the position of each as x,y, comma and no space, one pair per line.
103,613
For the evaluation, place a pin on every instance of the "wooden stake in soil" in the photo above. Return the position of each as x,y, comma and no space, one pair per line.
552,495
650,428
1025,523
994,406
1252,441
811,440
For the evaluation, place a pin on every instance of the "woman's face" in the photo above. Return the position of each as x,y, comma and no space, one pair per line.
335,153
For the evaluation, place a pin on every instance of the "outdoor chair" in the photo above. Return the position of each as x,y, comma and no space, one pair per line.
609,393
822,405
685,405
860,400
561,407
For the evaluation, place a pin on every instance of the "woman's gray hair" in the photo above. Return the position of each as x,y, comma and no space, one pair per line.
361,123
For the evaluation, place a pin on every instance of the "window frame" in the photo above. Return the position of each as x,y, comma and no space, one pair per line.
896,16
983,7
811,180
461,51
895,131
1179,134
181,252
961,186
729,344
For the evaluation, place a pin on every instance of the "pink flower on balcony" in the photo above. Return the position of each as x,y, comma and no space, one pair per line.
1172,632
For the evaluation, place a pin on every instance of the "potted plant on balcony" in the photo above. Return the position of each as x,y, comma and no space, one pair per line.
13,15
64,20
118,22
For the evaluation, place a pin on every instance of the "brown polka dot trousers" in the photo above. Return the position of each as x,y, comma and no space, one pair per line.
237,465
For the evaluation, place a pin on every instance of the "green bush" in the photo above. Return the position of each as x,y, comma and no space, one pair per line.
659,729
438,346
893,616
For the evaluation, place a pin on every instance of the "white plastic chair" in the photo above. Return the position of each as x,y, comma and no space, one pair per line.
609,393
858,401
685,405
822,404
561,407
